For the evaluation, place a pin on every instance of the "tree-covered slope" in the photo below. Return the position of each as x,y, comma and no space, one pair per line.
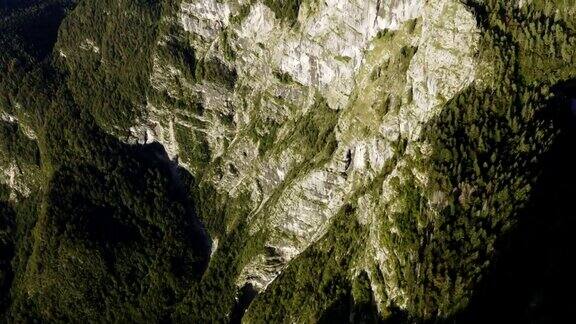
285,161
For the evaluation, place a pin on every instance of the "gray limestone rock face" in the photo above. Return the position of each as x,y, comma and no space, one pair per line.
282,70
293,122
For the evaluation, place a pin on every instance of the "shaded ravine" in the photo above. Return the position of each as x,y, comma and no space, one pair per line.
245,297
184,182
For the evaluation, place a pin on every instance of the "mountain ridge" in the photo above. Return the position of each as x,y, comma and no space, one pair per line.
343,156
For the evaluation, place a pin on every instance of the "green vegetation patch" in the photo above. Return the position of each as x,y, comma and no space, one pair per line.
315,130
193,146
283,77
214,70
109,57
13,143
286,10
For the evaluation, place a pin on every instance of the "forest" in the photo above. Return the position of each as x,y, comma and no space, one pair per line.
112,232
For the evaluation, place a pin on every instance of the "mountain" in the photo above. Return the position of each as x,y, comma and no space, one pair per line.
286,160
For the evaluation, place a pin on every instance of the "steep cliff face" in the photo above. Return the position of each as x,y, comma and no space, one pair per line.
300,116
303,114
401,136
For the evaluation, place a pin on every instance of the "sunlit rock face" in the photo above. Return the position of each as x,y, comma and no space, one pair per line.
234,89
19,173
415,122
283,69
